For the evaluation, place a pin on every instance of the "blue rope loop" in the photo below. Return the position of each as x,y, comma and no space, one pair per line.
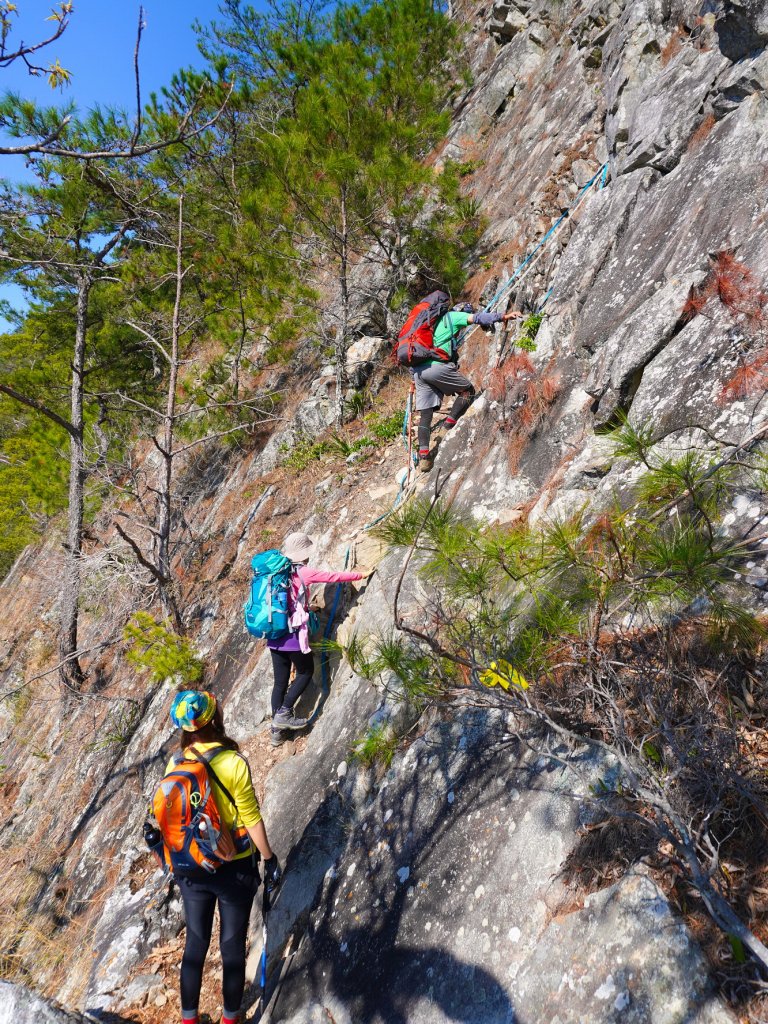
406,424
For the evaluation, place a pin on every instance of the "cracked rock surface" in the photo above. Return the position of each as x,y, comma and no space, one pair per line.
435,893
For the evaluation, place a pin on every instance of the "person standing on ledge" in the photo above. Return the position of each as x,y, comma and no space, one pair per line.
294,649
234,884
438,377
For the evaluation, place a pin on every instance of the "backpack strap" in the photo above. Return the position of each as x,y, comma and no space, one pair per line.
302,591
449,318
206,757
454,334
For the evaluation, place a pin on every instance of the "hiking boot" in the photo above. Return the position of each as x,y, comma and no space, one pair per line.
277,736
284,720
426,462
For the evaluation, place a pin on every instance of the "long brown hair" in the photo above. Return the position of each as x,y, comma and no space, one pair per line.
212,732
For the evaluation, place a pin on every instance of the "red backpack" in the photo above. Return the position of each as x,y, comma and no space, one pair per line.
415,342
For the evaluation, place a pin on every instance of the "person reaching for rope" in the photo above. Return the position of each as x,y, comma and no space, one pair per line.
440,376
293,649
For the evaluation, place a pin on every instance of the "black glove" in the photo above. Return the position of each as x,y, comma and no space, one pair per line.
272,874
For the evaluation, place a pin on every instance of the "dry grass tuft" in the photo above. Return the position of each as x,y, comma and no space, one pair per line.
673,46
694,304
734,287
749,379
696,140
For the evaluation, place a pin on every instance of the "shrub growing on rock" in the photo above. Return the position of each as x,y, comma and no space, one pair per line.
634,625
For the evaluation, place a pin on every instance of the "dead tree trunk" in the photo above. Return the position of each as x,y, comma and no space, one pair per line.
165,488
71,674
341,335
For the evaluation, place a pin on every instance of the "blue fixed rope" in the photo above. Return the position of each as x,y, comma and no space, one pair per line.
543,302
602,173
507,286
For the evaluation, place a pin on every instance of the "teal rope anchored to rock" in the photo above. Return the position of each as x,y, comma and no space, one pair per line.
507,286
602,174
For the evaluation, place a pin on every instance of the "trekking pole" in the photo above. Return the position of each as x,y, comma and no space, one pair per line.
263,967
410,429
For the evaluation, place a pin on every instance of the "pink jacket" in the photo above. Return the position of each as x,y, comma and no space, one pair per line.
299,639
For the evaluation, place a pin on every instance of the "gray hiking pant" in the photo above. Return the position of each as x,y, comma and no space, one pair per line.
432,382
435,380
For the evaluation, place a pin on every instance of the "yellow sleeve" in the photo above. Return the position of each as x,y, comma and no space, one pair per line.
236,776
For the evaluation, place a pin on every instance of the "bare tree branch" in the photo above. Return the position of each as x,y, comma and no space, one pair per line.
183,135
24,51
38,406
140,557
137,127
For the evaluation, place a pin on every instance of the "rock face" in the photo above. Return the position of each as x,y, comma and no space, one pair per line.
20,1006
436,893
442,907
622,958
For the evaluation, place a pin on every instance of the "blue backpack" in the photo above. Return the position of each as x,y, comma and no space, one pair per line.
266,610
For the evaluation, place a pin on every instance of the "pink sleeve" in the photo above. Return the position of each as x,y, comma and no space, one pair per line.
310,575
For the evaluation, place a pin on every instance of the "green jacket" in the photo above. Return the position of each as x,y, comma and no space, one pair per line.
447,333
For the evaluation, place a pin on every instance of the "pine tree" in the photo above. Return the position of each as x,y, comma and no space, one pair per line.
356,104
60,237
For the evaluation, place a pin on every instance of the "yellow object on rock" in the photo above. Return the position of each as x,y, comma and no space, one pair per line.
501,673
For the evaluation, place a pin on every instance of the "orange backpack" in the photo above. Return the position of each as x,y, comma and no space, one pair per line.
194,835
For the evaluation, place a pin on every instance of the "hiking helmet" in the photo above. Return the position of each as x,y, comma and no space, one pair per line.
192,709
297,546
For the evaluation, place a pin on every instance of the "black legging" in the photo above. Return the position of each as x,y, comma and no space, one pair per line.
281,663
234,887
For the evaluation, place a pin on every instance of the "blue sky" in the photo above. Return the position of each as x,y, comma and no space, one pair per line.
97,48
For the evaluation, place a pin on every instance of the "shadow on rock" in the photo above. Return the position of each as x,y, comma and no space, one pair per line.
379,985
400,933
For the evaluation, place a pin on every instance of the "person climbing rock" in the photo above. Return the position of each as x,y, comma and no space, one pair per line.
436,378
294,650
234,884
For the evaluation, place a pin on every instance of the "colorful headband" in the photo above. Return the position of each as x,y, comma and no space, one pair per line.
192,709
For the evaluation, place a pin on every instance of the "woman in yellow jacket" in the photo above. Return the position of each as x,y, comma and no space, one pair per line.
233,886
